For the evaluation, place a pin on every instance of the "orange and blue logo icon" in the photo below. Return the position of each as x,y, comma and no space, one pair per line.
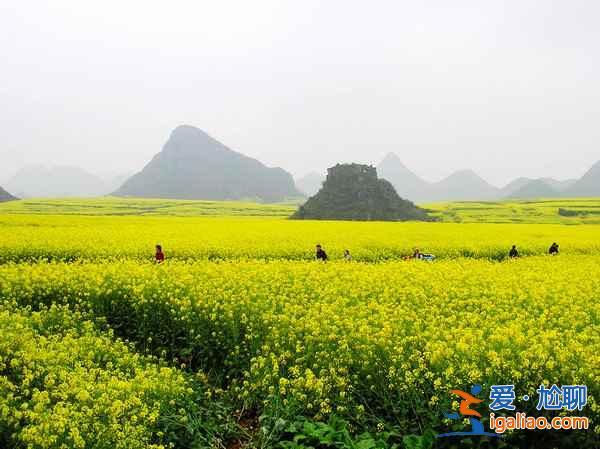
465,410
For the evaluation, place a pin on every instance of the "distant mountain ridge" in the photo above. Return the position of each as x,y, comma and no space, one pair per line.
588,185
559,186
514,186
38,181
466,185
5,196
194,165
536,188
407,184
460,185
463,184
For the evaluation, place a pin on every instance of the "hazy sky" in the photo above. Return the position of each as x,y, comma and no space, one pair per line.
507,88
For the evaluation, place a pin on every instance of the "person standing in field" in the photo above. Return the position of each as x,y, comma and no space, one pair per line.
321,254
159,256
347,255
513,252
553,249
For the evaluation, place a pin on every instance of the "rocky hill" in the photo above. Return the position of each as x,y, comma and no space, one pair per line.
354,192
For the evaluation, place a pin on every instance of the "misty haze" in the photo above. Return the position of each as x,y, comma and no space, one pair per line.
507,90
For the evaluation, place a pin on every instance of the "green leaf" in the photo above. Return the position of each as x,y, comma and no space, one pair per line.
366,444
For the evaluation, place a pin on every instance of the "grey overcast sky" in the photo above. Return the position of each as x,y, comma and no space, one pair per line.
507,88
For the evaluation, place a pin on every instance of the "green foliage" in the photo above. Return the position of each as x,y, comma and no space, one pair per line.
577,212
303,433
424,441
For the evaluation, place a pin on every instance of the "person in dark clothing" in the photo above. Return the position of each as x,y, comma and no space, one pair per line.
513,252
321,254
553,249
159,256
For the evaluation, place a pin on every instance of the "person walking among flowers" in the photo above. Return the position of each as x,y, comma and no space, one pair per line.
159,256
321,254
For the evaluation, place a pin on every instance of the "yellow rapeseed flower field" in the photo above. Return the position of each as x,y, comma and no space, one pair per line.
353,339
240,332
63,384
68,238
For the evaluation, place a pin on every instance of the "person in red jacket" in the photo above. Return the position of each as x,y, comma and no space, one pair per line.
159,256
